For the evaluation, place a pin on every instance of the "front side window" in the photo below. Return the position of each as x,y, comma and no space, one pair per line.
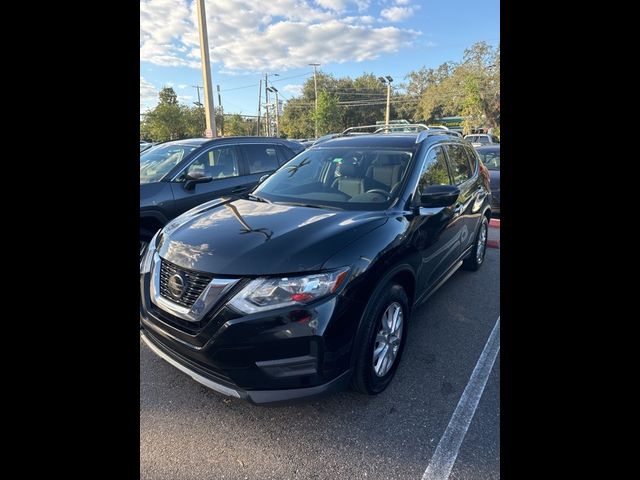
460,168
434,170
156,162
219,162
260,157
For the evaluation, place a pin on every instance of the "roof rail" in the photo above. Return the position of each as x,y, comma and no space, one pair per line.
399,127
431,133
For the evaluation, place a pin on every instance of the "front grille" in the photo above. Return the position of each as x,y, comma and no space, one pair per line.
195,283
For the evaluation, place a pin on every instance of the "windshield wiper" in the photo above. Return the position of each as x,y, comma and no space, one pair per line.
253,197
309,205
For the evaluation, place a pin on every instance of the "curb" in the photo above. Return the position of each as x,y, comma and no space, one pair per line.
494,231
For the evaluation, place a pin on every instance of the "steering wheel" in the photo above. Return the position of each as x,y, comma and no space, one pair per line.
379,190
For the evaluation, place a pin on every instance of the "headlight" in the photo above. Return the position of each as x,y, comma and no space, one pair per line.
145,263
269,293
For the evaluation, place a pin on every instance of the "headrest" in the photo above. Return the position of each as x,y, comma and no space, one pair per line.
348,170
384,160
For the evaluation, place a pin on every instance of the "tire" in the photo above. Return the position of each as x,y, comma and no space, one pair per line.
365,379
475,259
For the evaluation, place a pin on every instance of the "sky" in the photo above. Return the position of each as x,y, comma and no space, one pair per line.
248,38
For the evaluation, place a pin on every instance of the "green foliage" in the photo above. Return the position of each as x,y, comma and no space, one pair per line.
470,89
329,114
171,121
297,119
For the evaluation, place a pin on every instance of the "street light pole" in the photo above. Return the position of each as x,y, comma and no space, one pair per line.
209,112
275,90
259,108
315,86
266,106
387,80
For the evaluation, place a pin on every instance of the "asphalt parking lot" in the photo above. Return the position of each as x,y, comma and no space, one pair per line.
190,432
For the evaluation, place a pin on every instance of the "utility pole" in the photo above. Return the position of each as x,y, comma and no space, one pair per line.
275,90
221,112
315,86
209,112
259,108
266,105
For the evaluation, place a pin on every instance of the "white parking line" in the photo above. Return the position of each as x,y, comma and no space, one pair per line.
447,450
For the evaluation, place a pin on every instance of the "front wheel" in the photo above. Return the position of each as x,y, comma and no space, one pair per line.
381,340
479,250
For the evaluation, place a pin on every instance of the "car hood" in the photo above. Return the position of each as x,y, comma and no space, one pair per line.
245,237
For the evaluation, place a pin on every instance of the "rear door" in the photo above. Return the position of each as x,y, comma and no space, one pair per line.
260,159
222,163
464,178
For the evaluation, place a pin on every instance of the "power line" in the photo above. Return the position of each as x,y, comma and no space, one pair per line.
272,81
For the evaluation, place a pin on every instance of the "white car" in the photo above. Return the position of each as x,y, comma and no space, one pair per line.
479,139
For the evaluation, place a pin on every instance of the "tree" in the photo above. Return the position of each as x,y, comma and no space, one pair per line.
329,114
297,119
235,126
165,121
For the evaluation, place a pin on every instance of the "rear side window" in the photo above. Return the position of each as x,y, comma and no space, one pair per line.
473,158
284,154
260,157
434,170
459,162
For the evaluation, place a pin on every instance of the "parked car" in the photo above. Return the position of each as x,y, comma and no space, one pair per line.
478,139
145,145
177,176
307,284
490,156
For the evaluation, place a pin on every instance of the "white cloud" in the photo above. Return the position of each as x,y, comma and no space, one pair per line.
293,89
249,36
337,5
147,90
397,14
403,2
363,19
148,94
182,86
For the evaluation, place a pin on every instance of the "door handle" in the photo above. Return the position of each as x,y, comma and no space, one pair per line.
238,189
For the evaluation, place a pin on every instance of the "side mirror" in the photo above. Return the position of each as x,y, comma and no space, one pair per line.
263,178
191,182
439,196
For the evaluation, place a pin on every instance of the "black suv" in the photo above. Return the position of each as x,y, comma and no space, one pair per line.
176,176
307,284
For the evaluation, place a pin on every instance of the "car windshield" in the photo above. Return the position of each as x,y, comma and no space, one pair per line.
490,158
156,162
342,178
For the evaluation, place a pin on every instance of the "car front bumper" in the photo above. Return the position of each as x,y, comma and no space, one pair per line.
269,357
257,397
